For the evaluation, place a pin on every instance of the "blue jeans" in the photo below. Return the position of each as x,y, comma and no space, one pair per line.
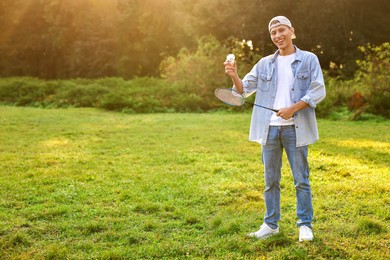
279,138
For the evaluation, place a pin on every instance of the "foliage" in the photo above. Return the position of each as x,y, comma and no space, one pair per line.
25,91
127,38
200,72
80,95
140,95
89,184
189,79
367,93
373,78
337,94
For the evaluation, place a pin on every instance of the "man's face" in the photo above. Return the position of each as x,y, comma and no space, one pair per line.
281,36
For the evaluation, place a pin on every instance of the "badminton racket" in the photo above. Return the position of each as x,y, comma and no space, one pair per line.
233,98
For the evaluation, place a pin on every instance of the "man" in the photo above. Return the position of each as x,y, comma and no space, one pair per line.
290,81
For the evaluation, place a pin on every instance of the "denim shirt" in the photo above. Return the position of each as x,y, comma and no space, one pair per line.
308,86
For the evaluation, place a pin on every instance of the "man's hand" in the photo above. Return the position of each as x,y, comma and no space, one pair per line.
230,68
231,71
286,113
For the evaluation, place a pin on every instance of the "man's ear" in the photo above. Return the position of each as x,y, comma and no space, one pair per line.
293,36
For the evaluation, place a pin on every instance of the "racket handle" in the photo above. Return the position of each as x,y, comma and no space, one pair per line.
274,110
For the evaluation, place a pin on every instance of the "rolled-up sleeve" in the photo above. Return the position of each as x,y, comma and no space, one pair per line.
249,82
316,91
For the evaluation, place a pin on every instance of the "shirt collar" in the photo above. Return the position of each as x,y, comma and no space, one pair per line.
298,55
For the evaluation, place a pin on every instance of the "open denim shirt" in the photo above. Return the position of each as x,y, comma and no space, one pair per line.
308,86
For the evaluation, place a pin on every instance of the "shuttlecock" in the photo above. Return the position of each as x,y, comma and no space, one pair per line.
230,58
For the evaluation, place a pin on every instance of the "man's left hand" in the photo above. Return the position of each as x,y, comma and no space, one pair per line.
285,113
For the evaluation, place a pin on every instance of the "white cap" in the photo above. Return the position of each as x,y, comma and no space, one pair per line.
279,20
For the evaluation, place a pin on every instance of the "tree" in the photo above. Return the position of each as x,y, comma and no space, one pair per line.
128,38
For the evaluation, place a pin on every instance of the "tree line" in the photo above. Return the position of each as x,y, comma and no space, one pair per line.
130,38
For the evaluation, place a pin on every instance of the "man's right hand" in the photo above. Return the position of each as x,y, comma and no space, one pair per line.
230,69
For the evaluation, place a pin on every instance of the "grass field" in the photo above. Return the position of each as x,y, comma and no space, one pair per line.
85,183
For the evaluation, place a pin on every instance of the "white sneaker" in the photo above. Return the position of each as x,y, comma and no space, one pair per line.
305,234
264,232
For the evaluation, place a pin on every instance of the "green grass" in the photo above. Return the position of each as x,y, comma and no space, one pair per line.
84,183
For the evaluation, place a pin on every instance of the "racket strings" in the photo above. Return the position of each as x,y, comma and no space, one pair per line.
229,97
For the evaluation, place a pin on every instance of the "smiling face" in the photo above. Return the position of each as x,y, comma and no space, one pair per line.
282,36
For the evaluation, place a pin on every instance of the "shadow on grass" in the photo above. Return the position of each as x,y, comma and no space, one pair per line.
318,248
361,153
292,249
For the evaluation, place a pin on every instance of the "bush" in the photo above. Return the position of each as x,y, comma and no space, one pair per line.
368,92
337,95
197,74
81,95
25,91
373,78
115,101
188,82
142,95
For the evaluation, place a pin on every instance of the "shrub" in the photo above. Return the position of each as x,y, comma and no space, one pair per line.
187,102
142,95
189,79
197,73
115,101
337,95
373,78
80,95
25,91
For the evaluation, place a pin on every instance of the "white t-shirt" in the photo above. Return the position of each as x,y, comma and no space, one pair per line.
284,83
